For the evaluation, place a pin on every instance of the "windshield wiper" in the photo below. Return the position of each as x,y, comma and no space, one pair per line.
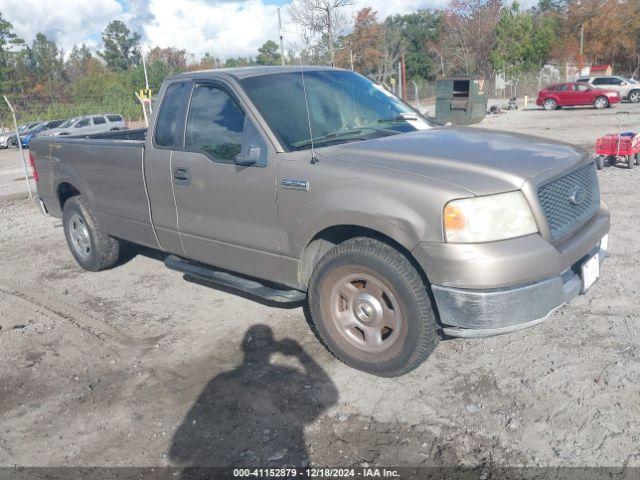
405,117
349,134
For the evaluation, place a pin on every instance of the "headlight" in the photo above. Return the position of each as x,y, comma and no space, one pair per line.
487,219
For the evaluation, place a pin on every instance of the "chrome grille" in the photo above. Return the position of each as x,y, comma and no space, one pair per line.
560,199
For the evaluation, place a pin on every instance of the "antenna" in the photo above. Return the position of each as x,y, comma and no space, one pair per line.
314,159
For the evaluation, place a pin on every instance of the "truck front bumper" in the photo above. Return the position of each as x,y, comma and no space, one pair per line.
485,313
498,288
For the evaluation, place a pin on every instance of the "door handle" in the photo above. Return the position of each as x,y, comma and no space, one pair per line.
182,177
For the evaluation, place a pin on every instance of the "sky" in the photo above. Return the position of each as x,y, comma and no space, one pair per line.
224,28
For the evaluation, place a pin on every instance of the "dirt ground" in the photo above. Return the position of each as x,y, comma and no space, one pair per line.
136,366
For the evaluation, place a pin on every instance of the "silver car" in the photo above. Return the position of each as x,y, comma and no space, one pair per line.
628,89
88,124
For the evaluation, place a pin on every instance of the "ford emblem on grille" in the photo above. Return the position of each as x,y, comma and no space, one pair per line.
578,196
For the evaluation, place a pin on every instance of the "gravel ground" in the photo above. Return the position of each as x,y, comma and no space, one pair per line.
136,367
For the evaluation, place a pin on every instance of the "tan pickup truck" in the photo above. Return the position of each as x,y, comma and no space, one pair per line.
316,184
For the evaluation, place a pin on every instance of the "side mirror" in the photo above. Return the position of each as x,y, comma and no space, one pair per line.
251,158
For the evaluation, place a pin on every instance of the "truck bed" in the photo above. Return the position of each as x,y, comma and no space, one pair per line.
108,169
138,134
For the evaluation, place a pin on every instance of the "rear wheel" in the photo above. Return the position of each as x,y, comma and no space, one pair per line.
600,162
371,308
550,104
601,102
92,249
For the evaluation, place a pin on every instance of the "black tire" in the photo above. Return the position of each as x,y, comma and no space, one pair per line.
601,102
600,162
550,104
631,161
94,250
405,297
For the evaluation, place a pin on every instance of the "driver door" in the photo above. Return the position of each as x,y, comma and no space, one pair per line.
226,211
583,93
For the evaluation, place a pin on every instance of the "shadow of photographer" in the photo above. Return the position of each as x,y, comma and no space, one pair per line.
254,415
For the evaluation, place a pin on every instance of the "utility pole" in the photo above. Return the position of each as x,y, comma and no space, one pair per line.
146,77
351,57
404,77
281,36
146,84
24,162
580,60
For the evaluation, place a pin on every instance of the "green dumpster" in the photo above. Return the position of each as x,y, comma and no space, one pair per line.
460,100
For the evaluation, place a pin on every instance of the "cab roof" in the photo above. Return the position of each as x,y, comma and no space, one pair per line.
246,72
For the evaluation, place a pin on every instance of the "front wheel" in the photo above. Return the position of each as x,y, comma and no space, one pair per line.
92,249
631,161
634,96
600,162
550,104
371,308
601,102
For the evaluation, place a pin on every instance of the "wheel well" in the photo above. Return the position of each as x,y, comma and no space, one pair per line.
65,192
328,238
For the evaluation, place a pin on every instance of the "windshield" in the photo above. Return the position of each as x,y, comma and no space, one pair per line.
343,107
68,123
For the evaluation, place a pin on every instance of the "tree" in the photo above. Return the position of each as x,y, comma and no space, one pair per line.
468,35
208,61
175,59
239,62
9,41
76,64
268,54
46,62
521,45
323,19
365,43
417,30
121,46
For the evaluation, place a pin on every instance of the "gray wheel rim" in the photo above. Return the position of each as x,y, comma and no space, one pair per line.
365,312
634,97
601,102
79,234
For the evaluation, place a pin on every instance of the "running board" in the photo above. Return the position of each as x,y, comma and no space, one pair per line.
225,279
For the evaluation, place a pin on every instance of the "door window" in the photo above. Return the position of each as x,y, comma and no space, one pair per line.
581,88
603,81
99,121
215,124
168,115
85,122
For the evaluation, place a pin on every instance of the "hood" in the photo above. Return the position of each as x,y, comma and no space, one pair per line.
479,160
52,131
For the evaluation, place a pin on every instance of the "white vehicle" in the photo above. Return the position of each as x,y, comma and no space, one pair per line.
628,89
88,124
